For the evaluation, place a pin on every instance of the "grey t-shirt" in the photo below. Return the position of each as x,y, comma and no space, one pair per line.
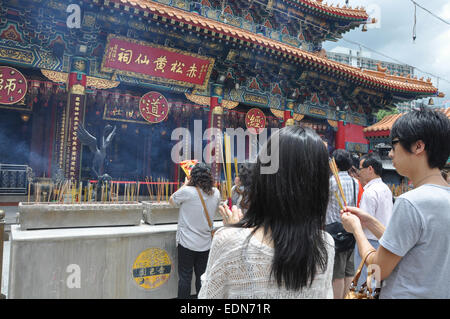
193,230
419,232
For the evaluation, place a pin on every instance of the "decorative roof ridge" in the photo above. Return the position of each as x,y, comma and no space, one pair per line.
403,79
345,11
242,34
385,124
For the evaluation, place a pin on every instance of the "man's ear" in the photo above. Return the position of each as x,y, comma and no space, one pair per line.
418,147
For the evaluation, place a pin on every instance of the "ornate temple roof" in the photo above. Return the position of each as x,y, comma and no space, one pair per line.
318,6
383,127
378,80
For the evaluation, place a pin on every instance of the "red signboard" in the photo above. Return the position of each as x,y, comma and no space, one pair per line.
154,107
154,62
13,85
255,120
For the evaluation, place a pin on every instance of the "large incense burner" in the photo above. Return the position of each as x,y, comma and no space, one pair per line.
88,214
163,213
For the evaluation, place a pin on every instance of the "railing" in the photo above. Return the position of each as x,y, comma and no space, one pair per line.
13,179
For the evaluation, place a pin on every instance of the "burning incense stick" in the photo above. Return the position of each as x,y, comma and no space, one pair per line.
138,187
148,188
334,170
167,191
223,165
50,193
339,201
228,163
29,189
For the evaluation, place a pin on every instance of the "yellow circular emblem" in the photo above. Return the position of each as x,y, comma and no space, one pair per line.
152,268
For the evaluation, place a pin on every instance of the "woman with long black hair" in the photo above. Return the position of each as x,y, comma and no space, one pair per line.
193,235
278,249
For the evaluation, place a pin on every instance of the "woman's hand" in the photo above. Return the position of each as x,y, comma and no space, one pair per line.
364,217
350,222
230,216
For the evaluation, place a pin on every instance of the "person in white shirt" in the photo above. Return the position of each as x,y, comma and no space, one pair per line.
376,200
193,237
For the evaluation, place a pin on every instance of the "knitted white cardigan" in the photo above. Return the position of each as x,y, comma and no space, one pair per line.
240,269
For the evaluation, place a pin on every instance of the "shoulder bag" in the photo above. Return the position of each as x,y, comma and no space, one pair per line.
210,224
365,292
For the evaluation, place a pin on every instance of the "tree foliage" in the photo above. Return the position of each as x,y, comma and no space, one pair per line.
383,113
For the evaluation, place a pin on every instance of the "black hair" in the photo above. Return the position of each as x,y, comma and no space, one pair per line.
201,176
343,159
245,173
245,178
355,160
291,204
374,161
430,126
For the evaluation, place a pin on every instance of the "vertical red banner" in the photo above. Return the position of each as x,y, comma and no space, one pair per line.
73,147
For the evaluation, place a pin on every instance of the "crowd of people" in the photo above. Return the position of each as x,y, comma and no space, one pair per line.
291,235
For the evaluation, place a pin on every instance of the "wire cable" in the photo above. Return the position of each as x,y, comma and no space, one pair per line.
335,35
434,15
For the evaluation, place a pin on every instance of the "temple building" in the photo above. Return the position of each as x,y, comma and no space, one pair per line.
149,67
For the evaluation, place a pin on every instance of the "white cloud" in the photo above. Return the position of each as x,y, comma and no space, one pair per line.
446,12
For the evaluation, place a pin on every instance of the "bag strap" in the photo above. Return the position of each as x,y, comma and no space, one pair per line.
354,192
204,207
361,265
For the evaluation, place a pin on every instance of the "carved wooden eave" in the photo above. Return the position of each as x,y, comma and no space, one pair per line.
277,113
93,82
206,101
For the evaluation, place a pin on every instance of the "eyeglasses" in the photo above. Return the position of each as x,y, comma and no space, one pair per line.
394,142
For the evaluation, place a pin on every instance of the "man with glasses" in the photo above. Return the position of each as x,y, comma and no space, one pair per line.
376,200
414,255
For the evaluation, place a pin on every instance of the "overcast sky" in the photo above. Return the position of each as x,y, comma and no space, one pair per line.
392,36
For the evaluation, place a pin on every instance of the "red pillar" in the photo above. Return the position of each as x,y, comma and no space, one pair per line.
340,136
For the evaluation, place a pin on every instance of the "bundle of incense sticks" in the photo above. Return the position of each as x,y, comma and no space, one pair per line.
227,143
339,200
159,190
228,159
334,170
224,170
149,187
